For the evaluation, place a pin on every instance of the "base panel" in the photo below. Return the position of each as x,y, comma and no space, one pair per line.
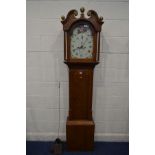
80,135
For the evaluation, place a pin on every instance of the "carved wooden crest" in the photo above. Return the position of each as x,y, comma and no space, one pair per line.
71,18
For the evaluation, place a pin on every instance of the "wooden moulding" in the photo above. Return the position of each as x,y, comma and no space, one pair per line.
93,18
80,135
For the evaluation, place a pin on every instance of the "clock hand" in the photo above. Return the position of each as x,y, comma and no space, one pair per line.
81,41
85,41
82,47
78,48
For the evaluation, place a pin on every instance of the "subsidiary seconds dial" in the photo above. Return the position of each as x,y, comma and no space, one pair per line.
82,42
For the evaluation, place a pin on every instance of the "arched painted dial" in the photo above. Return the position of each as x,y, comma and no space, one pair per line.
82,42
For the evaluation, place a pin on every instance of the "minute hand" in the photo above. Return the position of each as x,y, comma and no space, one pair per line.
84,42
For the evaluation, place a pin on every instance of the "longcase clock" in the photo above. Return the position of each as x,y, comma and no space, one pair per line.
81,54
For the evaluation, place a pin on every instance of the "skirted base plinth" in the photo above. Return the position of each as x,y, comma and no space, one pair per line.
80,135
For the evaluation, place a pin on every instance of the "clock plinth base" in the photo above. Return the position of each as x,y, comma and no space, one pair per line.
80,135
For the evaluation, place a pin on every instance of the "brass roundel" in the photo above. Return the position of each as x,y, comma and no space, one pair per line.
89,13
75,13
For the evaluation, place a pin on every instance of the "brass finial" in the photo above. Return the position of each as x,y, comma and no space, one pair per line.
101,18
82,9
62,18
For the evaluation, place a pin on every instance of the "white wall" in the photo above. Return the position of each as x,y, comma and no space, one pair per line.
45,69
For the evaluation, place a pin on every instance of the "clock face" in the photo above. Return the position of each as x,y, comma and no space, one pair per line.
82,42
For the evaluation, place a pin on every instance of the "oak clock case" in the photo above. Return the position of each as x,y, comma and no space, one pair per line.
81,54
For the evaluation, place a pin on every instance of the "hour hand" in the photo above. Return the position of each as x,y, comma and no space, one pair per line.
76,48
82,46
